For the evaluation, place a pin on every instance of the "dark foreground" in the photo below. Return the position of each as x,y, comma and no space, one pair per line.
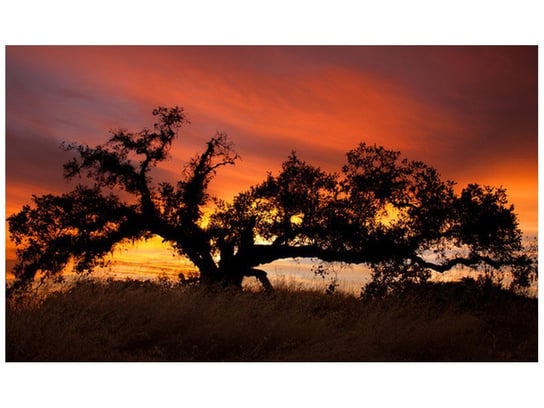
135,321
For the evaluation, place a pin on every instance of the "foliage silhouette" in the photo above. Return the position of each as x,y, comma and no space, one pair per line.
396,216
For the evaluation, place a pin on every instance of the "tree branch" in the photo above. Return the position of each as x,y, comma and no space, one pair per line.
262,254
469,261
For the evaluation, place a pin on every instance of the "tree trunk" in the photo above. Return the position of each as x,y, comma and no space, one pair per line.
232,271
262,277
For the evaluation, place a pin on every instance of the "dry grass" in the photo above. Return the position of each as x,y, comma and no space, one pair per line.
145,321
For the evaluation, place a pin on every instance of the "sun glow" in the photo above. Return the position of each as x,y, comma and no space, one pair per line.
297,219
389,215
149,258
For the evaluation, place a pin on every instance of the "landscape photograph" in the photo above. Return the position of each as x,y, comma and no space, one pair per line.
271,204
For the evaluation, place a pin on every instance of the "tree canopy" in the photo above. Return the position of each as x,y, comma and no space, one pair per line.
394,215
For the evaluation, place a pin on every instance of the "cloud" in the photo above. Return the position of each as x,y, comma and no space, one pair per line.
33,161
469,111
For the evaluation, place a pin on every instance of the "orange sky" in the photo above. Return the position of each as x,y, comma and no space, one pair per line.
471,112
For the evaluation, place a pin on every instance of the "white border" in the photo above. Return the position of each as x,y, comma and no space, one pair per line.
278,22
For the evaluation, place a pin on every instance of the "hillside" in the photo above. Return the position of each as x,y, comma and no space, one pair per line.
159,321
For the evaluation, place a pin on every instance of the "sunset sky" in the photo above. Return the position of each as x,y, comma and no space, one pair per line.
471,112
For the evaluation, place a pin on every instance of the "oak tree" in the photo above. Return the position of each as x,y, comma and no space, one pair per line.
394,215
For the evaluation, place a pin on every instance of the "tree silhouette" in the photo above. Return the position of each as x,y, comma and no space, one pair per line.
394,215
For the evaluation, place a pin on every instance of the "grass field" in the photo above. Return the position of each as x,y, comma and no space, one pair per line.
153,321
